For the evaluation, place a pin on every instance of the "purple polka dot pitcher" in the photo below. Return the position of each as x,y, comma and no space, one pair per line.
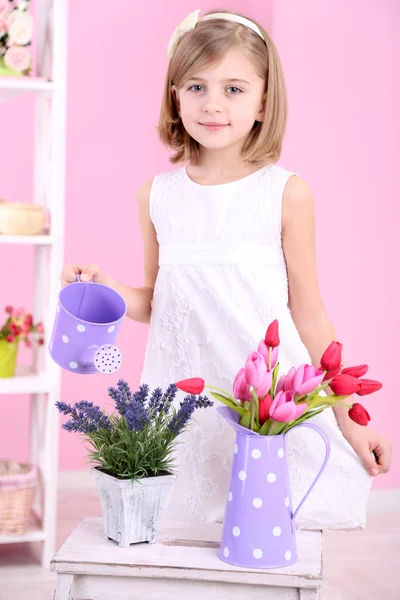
85,329
258,529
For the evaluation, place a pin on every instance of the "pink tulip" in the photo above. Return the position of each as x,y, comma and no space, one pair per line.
241,389
283,408
306,379
285,382
257,374
263,349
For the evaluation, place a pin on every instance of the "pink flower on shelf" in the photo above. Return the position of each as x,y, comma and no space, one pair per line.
263,349
285,382
306,379
241,389
257,374
283,408
39,328
4,7
18,59
4,23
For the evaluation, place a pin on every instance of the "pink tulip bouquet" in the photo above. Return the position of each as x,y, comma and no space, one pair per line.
271,405
16,31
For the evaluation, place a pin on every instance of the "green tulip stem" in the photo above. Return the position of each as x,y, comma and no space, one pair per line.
254,409
223,392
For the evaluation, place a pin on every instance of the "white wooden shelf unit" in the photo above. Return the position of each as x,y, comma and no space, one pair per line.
42,381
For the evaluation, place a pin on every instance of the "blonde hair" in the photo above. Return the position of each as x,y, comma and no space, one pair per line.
201,48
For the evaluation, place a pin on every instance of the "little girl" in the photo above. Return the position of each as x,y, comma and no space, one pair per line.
228,248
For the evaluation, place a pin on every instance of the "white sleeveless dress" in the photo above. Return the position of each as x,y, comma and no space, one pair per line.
222,279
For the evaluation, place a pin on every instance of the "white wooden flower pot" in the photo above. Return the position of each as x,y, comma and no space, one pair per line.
132,509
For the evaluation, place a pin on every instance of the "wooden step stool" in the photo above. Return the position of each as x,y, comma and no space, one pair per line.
182,565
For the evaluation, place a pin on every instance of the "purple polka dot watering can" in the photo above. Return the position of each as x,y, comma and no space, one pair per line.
85,329
259,529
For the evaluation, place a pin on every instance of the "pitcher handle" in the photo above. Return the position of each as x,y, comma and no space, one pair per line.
327,454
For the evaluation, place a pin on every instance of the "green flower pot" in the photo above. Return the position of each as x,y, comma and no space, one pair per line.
8,358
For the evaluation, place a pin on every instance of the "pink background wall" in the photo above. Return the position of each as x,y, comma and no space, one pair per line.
340,59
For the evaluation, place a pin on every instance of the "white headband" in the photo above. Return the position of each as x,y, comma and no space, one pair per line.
191,21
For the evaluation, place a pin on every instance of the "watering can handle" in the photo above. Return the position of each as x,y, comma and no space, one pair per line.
327,453
78,278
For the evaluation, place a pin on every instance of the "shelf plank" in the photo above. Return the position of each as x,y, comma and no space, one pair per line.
26,381
34,534
26,84
36,240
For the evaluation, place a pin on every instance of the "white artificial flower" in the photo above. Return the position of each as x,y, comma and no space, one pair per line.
21,28
23,4
186,25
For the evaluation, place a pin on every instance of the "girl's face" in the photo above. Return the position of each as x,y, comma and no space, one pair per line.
219,106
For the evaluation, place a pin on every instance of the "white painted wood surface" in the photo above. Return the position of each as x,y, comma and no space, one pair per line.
43,380
183,563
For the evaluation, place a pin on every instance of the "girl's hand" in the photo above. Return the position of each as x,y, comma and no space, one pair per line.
87,272
365,441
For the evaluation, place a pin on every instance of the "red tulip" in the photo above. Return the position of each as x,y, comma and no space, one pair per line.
272,336
264,405
358,371
195,385
331,374
368,386
344,385
241,389
332,357
9,310
358,414
10,339
40,341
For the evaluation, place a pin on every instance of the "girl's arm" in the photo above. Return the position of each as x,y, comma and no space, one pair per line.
309,314
305,302
139,299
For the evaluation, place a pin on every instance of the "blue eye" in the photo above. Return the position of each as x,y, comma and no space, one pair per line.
235,90
194,88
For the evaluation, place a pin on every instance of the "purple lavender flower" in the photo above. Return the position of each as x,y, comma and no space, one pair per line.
154,403
182,417
204,402
136,416
168,398
142,393
121,395
86,418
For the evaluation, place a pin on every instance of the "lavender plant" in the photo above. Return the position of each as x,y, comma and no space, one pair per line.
138,439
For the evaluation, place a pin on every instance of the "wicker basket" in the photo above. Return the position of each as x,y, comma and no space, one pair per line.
17,490
17,218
